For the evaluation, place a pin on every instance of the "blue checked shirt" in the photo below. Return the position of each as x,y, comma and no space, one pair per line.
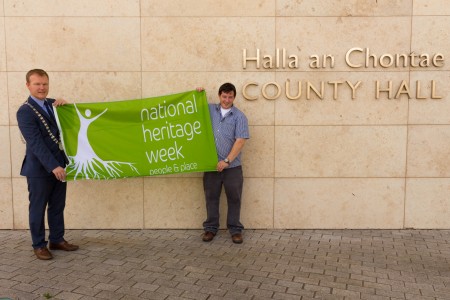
227,129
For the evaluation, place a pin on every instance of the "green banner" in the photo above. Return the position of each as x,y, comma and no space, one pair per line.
143,137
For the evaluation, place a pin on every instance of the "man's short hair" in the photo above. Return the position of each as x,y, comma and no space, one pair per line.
39,72
226,88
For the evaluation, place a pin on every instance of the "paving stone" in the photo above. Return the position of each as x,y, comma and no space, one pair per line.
199,276
420,297
233,287
184,279
239,276
284,296
167,283
374,297
194,295
270,264
272,287
213,291
146,286
69,296
15,294
107,287
232,295
300,292
346,293
393,294
259,293
110,295
5,283
221,279
380,286
123,283
312,280
169,291
361,289
47,291
322,296
332,284
316,288
264,280
86,291
153,296
25,287
7,268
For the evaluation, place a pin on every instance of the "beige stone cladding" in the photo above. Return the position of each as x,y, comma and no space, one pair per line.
348,105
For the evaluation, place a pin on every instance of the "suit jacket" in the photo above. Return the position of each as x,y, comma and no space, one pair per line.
42,153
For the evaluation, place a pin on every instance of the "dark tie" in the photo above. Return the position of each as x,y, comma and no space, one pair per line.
49,110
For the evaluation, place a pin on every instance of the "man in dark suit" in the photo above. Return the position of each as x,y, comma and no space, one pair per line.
43,166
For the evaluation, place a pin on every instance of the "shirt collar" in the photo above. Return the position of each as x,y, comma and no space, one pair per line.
38,101
218,107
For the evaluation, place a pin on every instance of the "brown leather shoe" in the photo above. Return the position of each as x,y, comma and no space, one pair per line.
43,253
237,238
64,245
208,236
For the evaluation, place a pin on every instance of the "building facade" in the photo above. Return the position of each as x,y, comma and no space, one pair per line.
348,104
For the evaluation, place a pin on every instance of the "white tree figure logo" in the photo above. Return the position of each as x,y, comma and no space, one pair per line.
86,163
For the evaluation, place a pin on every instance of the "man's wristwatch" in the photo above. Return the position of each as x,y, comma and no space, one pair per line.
226,160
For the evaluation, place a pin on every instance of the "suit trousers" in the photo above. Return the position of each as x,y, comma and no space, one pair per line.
232,180
46,193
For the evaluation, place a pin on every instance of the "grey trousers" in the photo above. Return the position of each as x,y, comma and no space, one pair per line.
232,180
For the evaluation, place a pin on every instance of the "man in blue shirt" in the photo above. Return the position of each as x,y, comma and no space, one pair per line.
230,128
